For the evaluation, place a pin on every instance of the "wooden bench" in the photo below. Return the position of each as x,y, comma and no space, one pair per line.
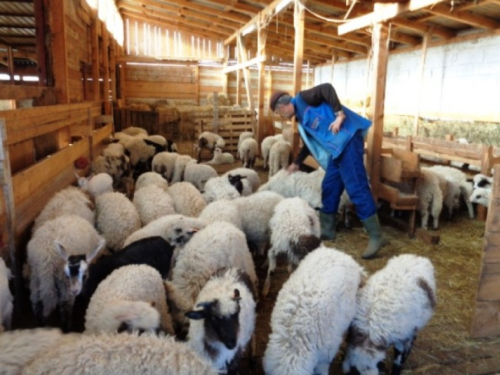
398,165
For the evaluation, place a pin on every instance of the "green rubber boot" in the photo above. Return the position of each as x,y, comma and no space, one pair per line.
377,240
328,224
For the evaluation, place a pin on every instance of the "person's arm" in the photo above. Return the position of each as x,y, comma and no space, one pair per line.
303,154
325,93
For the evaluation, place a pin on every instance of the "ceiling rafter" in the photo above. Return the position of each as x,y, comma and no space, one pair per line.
461,15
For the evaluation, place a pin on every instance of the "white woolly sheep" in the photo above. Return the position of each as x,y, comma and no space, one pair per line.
482,181
459,178
118,167
58,256
219,188
265,148
430,198
187,199
391,308
116,219
6,305
96,184
134,130
218,245
175,229
19,348
131,298
115,150
199,174
224,326
113,354
248,150
180,167
279,157
313,310
209,140
222,210
221,157
251,176
481,196
295,231
256,210
450,191
298,184
69,201
164,164
151,178
153,202
241,138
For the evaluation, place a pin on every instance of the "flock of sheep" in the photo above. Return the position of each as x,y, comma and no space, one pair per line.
165,273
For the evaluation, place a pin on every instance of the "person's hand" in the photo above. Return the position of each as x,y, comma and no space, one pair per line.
292,168
335,125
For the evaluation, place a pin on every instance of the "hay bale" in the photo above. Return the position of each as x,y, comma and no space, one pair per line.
138,106
221,98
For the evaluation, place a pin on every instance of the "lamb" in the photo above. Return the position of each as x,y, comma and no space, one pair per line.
116,219
222,210
216,246
21,347
430,198
132,295
313,310
298,184
58,256
222,328
248,151
279,157
481,196
113,354
392,307
241,138
175,229
295,231
151,178
152,202
219,188
251,176
96,184
199,174
265,148
221,157
117,167
458,178
187,199
180,167
164,164
209,140
6,305
256,211
240,184
482,181
114,150
70,200
152,251
450,190
134,130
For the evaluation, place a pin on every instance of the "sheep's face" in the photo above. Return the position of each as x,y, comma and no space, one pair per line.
480,196
362,355
76,270
221,320
180,235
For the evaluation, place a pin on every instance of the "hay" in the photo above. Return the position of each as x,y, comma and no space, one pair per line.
140,106
222,99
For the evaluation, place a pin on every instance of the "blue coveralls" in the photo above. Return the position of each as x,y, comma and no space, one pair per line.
341,155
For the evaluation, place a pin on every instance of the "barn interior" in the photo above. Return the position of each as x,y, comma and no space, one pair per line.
425,72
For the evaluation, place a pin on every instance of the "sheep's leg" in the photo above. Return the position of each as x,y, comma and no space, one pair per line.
401,352
272,266
425,218
38,310
470,208
322,368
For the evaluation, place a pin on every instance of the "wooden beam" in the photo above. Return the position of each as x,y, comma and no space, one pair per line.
246,64
261,52
105,68
94,41
444,33
10,64
384,14
375,134
242,51
418,99
112,67
57,16
40,22
459,15
298,59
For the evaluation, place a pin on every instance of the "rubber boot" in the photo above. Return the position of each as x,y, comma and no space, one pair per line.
328,224
377,240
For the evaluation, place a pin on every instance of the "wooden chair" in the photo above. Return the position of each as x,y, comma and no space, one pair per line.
398,165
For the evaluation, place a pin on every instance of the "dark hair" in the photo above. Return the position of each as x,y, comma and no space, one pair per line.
283,100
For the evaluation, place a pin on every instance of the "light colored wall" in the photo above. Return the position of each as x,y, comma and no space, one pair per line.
460,81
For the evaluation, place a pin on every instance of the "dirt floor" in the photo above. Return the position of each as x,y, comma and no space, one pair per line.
444,346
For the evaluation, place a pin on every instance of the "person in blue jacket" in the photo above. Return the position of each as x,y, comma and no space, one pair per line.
334,135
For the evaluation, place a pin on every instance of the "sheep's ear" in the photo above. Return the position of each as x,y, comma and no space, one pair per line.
61,250
236,295
197,314
96,251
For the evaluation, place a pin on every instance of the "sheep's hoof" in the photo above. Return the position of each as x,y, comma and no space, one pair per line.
265,289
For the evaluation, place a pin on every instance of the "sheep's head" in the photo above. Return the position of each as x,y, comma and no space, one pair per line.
221,319
236,181
76,266
362,355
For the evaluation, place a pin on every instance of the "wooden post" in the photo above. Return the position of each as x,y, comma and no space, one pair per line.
270,114
215,124
105,67
10,63
261,51
238,87
57,15
112,68
366,103
486,164
298,58
380,56
197,80
486,316
418,100
40,42
95,60
246,73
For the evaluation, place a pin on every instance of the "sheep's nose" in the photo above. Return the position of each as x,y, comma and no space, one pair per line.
231,344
